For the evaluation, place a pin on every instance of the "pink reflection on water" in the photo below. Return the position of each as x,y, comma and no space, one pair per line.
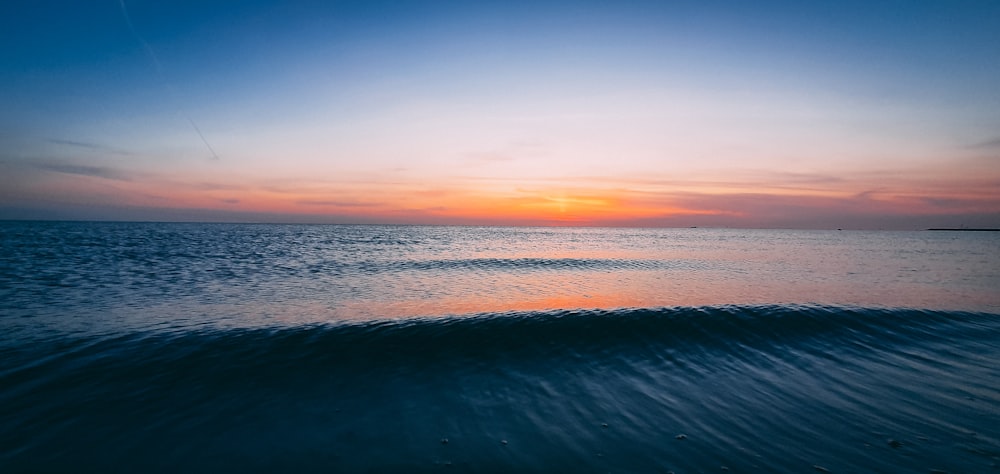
707,267
479,271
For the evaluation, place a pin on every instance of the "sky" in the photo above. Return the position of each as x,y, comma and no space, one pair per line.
840,114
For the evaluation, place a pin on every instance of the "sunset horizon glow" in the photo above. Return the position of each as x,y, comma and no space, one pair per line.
638,114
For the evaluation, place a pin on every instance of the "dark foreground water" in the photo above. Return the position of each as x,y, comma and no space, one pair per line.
218,348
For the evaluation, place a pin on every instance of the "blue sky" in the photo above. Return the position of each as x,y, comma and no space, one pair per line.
873,114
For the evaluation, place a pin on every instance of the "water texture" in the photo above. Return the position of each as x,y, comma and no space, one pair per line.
95,276
235,348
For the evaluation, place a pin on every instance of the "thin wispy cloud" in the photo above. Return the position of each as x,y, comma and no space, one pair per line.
208,186
868,194
90,146
988,144
85,170
334,203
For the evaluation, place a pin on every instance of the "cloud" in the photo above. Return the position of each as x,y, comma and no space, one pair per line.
423,210
742,179
988,144
312,202
207,186
84,170
789,178
869,194
961,204
90,146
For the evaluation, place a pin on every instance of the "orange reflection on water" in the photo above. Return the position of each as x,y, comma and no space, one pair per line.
610,269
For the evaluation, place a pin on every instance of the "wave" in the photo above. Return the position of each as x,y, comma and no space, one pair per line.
774,388
506,264
541,334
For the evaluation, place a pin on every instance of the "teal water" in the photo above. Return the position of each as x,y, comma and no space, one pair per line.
234,348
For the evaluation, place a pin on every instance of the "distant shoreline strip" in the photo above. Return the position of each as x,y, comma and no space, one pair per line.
966,230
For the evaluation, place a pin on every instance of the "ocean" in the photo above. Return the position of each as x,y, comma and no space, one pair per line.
169,347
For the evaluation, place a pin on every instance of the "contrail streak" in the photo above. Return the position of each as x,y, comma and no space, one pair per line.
139,38
207,145
159,72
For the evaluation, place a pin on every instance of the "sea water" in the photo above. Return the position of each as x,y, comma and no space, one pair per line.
137,347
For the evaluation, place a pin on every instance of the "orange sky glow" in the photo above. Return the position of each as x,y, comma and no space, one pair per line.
590,113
